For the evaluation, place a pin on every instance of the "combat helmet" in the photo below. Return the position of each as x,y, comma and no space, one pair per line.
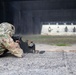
7,28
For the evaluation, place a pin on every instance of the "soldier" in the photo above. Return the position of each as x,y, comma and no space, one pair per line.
7,30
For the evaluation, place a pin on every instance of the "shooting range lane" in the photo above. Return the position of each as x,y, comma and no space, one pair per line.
55,63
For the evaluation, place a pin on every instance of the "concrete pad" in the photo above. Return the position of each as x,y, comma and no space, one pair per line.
48,63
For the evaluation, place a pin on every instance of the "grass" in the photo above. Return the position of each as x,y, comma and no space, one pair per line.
52,40
62,44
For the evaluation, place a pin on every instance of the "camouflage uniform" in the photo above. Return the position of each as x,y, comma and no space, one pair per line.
6,42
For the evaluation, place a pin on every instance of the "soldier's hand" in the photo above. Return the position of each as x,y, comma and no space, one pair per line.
17,41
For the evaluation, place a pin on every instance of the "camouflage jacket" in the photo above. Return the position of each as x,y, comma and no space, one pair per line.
2,42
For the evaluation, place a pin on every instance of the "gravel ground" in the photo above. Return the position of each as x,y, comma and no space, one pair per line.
51,62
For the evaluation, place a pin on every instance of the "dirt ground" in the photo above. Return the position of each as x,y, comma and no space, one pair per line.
54,48
56,60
